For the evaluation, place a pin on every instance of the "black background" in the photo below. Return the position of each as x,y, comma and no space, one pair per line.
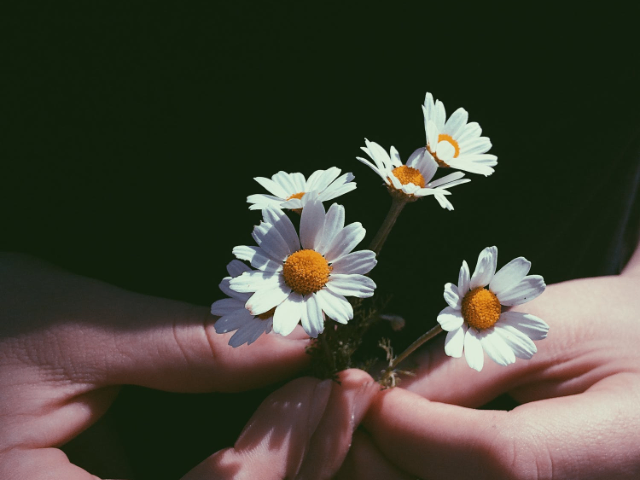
131,132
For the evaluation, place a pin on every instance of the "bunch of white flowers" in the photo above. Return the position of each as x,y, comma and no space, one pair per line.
304,276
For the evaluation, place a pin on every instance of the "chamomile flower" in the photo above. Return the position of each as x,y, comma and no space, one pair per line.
288,189
233,314
303,278
474,318
413,180
456,143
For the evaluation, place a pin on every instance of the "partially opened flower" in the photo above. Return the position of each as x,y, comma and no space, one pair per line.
474,318
456,143
233,314
302,279
412,180
288,190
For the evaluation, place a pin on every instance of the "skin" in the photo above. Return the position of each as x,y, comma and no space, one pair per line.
579,395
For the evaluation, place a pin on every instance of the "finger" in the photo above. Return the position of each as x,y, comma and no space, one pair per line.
437,441
366,462
100,334
46,463
293,429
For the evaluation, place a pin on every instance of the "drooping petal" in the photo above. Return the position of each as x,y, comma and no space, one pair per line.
510,275
226,306
360,262
454,341
473,352
530,325
527,289
496,347
334,305
450,319
288,314
485,268
351,285
312,316
522,346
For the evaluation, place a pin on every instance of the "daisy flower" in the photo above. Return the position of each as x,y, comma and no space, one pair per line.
412,180
456,143
474,318
303,278
233,314
288,189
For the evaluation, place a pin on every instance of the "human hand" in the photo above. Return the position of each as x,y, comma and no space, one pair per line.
68,342
578,419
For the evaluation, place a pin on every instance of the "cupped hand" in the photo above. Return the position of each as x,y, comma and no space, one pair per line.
579,395
67,343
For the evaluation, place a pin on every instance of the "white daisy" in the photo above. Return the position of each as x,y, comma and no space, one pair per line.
305,278
289,189
456,143
233,314
474,318
412,180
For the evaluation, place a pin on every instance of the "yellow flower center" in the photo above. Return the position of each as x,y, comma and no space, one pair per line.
447,138
481,308
408,175
306,271
267,315
298,195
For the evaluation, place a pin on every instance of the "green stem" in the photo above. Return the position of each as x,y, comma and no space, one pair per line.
397,204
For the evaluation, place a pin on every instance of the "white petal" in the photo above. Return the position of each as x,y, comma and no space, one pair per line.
258,257
496,348
270,240
471,130
335,306
444,203
281,222
445,151
471,167
298,180
325,180
248,333
440,115
311,222
333,224
427,166
312,319
395,158
265,299
255,280
356,262
463,279
522,346
415,156
288,314
226,306
273,187
446,179
376,169
456,122
450,319
510,275
476,146
432,135
473,350
351,285
485,268
530,287
262,201
336,191
530,325
237,268
451,295
345,241
286,182
454,341
313,180
227,290
379,154
232,321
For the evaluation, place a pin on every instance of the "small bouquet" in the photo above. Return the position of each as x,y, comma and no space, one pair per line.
304,270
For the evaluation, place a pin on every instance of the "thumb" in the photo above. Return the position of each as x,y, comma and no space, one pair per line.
301,431
98,333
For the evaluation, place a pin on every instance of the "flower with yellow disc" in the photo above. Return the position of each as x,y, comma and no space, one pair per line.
288,190
413,180
455,143
474,318
305,278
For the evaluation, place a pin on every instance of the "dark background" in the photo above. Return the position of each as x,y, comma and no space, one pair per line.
131,132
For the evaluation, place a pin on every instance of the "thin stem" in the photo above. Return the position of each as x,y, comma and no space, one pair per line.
397,204
414,346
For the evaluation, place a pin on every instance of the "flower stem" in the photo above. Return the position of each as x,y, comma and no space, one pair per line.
397,204
388,372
